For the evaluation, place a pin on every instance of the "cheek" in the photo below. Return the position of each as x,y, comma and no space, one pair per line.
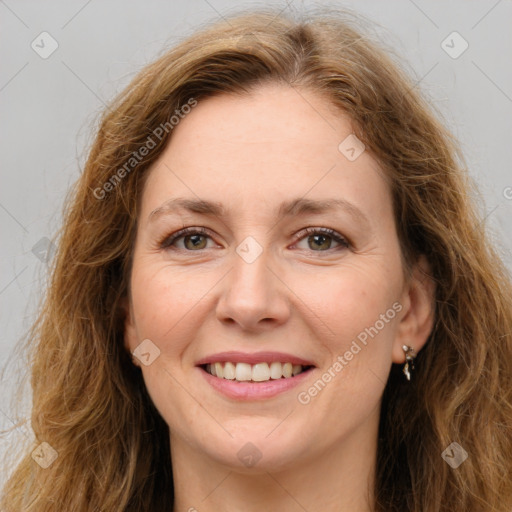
360,308
167,305
348,300
166,302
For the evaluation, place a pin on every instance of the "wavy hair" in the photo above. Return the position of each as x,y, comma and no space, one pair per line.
89,401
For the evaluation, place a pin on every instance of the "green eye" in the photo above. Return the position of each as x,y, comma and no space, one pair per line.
195,239
188,234
322,238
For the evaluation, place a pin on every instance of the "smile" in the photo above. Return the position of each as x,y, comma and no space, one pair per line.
254,376
259,372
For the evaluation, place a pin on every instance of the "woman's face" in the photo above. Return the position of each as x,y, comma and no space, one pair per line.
253,286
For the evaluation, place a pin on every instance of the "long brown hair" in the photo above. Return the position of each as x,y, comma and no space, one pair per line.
89,401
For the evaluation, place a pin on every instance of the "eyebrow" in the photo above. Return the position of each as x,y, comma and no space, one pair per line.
291,208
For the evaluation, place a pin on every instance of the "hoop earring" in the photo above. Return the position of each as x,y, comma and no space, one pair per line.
410,354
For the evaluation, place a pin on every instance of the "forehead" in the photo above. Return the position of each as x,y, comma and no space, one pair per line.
271,146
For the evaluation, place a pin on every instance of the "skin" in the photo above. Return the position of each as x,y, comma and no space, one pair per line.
302,295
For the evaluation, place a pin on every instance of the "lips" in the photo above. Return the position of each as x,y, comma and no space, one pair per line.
254,358
258,367
255,390
259,372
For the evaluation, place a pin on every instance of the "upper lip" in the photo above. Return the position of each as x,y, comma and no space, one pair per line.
253,358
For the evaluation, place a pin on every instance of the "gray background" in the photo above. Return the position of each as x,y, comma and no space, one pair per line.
49,108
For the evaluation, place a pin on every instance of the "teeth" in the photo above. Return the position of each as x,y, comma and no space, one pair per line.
243,371
276,370
218,370
229,371
296,369
260,372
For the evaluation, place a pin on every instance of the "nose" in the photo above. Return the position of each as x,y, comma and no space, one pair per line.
254,297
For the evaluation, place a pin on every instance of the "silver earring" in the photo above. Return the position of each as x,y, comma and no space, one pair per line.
410,354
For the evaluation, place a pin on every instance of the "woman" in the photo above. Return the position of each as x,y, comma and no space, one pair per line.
271,293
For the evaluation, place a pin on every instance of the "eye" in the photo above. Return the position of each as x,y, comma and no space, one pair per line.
321,238
194,239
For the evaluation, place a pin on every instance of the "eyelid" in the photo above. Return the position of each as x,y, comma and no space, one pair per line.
168,240
338,237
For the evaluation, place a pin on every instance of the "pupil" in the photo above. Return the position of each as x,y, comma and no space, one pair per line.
195,239
319,238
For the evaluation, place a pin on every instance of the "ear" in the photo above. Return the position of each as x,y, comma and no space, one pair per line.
130,333
418,301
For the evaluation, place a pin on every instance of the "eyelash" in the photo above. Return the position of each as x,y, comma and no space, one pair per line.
167,241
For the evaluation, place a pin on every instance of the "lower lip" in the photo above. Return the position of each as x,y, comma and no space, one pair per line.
254,390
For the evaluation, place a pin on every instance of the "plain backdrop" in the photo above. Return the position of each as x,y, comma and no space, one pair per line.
49,105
